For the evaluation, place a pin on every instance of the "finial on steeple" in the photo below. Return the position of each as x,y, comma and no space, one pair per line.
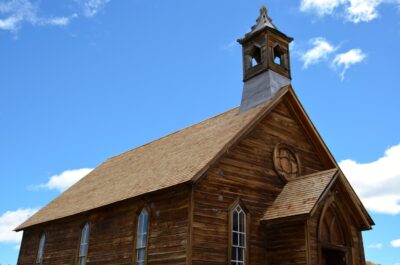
263,20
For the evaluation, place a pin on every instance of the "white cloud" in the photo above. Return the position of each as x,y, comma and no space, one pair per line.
58,21
347,59
321,48
322,7
9,221
355,11
378,182
376,246
362,10
65,179
395,243
13,13
92,7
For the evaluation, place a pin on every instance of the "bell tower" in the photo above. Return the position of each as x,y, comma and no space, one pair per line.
266,62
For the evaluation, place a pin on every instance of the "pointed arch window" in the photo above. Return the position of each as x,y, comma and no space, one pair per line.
238,236
141,241
83,247
39,256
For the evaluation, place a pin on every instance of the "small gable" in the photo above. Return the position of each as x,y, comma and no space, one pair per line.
299,196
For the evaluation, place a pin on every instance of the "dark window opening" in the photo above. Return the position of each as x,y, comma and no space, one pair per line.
255,56
279,56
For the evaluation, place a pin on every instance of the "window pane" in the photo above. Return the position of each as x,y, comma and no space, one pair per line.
242,222
234,253
240,254
140,242
82,261
235,220
235,239
83,248
85,234
142,229
241,240
39,255
140,255
145,220
141,239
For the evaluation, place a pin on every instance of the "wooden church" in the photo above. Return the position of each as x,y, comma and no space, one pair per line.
255,185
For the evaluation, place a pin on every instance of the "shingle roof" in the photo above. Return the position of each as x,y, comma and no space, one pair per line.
300,195
166,162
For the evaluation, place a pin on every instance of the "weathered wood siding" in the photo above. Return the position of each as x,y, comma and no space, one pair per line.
286,243
113,233
246,172
352,233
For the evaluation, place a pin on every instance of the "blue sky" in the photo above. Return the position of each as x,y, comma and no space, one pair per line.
83,80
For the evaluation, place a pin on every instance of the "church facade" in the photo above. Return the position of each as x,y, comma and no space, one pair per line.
255,185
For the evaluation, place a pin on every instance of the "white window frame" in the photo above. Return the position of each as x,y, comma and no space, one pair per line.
39,255
142,237
241,233
84,244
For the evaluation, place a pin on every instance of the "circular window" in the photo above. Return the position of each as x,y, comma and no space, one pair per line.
286,162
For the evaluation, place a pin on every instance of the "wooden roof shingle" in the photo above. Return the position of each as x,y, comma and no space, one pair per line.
172,160
299,196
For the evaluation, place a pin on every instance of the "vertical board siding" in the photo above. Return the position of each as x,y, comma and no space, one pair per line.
247,172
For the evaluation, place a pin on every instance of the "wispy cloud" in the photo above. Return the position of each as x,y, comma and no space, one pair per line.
65,179
59,21
378,182
92,7
9,221
395,243
320,50
355,11
322,7
347,59
14,13
376,246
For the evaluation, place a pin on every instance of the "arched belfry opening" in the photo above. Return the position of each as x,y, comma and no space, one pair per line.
334,237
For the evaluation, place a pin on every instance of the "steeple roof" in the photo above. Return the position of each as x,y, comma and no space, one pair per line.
262,21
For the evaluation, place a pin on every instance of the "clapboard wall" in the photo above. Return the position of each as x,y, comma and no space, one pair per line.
113,233
246,172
